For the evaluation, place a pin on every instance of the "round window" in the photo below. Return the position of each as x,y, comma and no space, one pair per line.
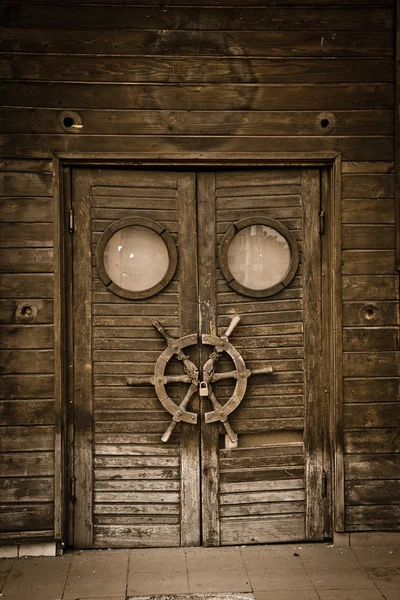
258,256
136,257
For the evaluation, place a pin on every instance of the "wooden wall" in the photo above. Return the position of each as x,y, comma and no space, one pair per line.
181,76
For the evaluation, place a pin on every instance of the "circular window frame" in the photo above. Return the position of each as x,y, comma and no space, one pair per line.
223,256
143,222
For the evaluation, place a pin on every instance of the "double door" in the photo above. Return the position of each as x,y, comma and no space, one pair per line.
196,330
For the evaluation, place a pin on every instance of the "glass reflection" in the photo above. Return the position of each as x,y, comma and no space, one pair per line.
136,258
258,257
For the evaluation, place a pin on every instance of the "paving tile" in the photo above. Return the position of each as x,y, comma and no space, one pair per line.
164,582
226,580
5,567
262,556
372,594
286,595
378,557
95,573
8,552
157,560
41,578
328,555
392,594
213,559
385,577
273,578
338,577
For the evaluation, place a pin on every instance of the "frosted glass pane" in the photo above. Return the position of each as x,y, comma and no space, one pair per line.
136,258
258,257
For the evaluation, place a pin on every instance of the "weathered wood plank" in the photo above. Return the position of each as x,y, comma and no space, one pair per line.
371,364
260,497
361,339
176,69
26,184
370,287
193,43
368,186
120,536
26,210
370,441
139,510
25,234
351,148
271,474
27,464
27,412
371,389
366,262
373,492
262,509
26,260
26,386
26,438
372,314
262,530
138,497
26,517
380,515
22,489
368,211
353,168
372,466
209,97
137,473
26,285
45,311
26,361
358,416
26,336
364,237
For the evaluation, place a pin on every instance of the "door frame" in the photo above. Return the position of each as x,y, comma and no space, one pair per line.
330,165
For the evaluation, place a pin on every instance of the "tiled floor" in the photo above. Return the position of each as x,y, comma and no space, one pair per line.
277,572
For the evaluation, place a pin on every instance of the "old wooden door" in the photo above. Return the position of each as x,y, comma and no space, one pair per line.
231,229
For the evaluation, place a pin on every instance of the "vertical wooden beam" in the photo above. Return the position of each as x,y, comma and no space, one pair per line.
313,367
208,324
397,134
337,344
188,294
59,366
83,384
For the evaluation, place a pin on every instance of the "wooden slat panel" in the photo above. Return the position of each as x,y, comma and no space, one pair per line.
351,148
373,492
262,530
370,287
367,364
368,211
362,237
27,412
26,184
26,438
229,97
136,536
368,441
197,18
359,314
26,260
372,338
372,466
191,70
26,517
368,186
26,210
371,389
26,286
216,43
27,464
277,508
364,262
25,234
357,416
22,489
379,516
26,361
26,386
26,336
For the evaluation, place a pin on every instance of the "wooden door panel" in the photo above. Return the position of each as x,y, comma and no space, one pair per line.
278,447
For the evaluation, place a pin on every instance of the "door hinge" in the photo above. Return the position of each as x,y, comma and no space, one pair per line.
72,488
71,224
322,222
324,484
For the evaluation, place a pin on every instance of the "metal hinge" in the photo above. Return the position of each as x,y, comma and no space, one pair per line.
71,224
72,488
324,484
322,222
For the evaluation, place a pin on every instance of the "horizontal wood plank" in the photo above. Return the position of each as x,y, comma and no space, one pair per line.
369,441
22,438
26,412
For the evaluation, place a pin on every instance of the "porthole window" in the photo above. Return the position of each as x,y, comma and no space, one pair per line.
258,256
136,257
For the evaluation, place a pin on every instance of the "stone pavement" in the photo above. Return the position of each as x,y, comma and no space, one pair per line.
276,572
